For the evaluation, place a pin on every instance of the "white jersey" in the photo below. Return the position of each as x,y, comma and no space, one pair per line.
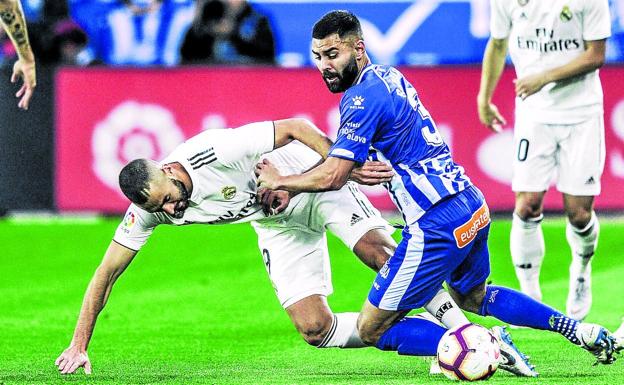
221,165
544,34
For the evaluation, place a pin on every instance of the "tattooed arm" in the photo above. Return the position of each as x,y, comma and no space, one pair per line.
13,21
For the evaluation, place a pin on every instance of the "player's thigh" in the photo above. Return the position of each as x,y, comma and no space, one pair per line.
534,158
414,273
297,262
349,215
582,158
430,251
375,247
467,281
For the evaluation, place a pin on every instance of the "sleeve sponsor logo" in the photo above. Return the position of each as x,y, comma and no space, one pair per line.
349,133
357,103
467,232
342,152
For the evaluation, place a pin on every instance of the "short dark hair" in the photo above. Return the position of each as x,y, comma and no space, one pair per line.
134,180
343,23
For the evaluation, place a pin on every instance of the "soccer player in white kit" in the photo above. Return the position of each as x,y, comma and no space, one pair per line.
210,179
556,47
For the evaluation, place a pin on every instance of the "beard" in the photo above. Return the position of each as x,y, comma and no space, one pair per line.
344,79
182,204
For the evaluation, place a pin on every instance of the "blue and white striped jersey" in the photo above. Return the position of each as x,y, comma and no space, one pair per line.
381,117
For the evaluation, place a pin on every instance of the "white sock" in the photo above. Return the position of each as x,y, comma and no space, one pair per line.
583,243
445,310
343,332
527,253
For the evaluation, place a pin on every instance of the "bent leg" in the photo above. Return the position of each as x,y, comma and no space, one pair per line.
516,308
319,327
391,330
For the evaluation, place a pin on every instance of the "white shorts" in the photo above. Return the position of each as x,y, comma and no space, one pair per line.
294,246
573,154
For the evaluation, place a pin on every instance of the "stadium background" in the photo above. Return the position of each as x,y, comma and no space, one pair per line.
85,122
69,132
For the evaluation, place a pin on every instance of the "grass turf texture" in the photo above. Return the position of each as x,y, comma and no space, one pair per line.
196,306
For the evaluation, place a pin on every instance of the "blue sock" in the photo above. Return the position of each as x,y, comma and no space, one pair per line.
519,309
412,336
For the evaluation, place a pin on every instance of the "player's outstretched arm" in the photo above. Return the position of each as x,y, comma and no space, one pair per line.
304,131
13,21
115,261
332,174
591,59
491,70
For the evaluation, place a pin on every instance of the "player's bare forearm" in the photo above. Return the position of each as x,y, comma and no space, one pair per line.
591,59
332,174
115,261
493,65
12,17
492,68
304,131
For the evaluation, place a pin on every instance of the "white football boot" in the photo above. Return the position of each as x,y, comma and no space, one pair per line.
579,293
598,341
512,359
434,369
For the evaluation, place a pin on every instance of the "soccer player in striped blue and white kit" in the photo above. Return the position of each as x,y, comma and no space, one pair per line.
447,219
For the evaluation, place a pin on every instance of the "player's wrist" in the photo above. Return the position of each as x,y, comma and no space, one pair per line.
483,99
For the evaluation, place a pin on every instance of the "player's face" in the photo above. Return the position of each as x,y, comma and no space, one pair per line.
336,59
168,195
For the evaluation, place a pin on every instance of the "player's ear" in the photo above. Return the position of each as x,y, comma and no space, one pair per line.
360,49
167,169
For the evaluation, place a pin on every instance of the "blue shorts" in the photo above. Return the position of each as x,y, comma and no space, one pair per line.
449,243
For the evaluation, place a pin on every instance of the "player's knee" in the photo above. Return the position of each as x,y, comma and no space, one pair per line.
314,331
471,301
579,217
528,207
369,334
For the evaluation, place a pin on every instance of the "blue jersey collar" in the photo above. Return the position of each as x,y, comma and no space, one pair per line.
368,67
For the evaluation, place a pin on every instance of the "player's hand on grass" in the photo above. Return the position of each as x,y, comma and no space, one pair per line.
26,71
72,359
273,201
529,85
268,176
372,173
490,117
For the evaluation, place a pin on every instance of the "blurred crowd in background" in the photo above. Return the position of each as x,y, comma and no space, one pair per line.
174,32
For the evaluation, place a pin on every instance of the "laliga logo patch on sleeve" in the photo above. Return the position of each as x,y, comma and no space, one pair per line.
128,222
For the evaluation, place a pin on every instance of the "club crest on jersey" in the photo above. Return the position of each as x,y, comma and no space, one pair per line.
522,3
228,192
357,102
566,14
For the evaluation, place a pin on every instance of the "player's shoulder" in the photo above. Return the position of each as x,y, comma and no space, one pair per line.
370,87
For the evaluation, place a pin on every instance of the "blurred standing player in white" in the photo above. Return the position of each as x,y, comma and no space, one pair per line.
14,23
556,47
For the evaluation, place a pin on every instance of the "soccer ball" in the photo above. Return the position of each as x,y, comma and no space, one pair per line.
468,352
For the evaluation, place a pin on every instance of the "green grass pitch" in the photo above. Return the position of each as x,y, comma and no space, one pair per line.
196,306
